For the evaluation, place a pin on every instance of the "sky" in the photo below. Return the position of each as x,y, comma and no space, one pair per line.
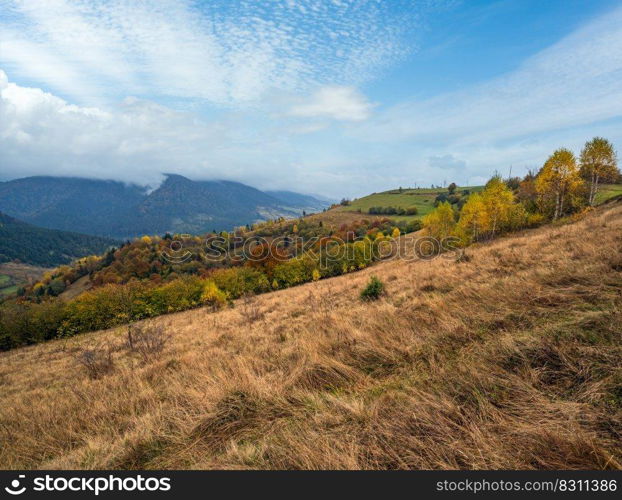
334,97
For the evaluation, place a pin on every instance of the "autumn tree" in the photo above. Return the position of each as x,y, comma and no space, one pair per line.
473,219
499,205
558,183
490,212
440,223
598,164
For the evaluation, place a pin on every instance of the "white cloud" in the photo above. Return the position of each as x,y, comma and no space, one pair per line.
446,162
337,103
572,83
223,52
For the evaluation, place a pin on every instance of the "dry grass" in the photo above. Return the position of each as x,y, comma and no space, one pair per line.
508,359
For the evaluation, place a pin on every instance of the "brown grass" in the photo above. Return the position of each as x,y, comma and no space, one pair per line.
511,358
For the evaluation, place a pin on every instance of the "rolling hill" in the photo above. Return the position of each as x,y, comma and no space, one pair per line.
421,198
113,209
45,247
507,358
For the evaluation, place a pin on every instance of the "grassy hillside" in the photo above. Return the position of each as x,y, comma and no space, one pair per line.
608,191
508,358
421,198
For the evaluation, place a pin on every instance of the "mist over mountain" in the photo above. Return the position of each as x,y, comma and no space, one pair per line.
118,210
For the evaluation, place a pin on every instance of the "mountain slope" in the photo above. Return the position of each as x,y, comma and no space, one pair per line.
45,247
509,358
71,204
108,208
199,206
300,201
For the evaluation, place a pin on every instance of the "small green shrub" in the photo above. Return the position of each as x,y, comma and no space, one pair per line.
373,290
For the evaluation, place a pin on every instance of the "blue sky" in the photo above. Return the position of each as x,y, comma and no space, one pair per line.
339,97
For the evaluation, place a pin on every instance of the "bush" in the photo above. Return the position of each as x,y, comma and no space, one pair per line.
374,289
238,281
213,296
148,340
250,310
97,361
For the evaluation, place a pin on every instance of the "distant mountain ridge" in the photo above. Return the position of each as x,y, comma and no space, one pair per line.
45,247
114,209
305,201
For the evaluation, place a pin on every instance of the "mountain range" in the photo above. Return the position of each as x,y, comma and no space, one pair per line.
117,210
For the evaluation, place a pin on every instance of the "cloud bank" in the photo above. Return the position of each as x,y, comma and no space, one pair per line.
315,132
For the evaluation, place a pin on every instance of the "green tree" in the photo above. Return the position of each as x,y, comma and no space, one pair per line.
598,164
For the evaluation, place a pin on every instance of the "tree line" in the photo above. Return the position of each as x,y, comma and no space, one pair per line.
564,185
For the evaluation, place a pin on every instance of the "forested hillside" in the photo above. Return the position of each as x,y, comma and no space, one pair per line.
45,247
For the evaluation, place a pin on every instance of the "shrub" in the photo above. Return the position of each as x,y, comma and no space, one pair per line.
413,226
237,281
148,340
373,290
213,296
97,361
250,309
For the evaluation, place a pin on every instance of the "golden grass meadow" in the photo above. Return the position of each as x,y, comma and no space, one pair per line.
507,358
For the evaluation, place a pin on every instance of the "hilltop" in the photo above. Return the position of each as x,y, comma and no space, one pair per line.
508,357
406,204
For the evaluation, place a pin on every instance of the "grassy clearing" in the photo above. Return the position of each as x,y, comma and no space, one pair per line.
508,358
13,275
608,191
7,287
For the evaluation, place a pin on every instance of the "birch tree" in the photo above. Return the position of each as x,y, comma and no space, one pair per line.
598,164
558,183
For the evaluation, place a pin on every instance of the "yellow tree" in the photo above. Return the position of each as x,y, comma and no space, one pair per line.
558,183
473,219
498,201
598,164
441,223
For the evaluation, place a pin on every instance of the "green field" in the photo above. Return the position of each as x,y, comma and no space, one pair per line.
6,285
423,199
607,191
